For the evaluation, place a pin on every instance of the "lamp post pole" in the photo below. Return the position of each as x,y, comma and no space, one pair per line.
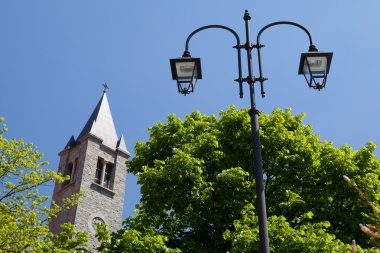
256,146
315,65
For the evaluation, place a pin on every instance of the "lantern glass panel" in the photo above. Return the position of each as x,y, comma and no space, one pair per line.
186,70
317,64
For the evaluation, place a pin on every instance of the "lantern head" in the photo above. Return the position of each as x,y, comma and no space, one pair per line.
315,66
186,71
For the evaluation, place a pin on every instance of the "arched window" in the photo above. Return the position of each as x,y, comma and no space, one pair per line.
104,173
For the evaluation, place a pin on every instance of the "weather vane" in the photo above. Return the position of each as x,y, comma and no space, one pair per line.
105,87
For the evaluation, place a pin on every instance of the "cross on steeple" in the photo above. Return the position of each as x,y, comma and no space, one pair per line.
105,87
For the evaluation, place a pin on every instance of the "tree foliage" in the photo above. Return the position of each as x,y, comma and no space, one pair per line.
197,188
369,229
23,216
304,174
131,241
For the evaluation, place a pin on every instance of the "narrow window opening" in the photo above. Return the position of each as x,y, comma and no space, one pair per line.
73,175
108,176
99,170
67,172
104,173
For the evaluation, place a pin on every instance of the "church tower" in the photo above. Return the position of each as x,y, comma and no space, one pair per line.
95,161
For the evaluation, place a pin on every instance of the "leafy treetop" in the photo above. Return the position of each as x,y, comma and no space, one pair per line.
197,188
23,216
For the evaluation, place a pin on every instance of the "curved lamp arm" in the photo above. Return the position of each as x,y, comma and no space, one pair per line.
238,47
259,46
284,23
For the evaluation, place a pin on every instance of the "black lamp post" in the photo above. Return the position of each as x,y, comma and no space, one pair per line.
314,66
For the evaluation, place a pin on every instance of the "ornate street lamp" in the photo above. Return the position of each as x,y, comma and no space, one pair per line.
314,66
186,71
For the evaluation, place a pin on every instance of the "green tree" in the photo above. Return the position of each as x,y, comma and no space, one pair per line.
131,240
304,174
369,229
197,188
23,216
309,237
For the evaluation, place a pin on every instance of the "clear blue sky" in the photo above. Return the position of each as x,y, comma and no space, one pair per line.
54,55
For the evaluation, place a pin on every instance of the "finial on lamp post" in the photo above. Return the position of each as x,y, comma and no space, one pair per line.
246,15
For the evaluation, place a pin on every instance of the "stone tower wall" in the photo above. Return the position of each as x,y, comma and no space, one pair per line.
75,154
100,202
104,187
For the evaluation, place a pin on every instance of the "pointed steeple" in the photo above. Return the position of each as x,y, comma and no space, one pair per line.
96,163
71,142
101,125
121,145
